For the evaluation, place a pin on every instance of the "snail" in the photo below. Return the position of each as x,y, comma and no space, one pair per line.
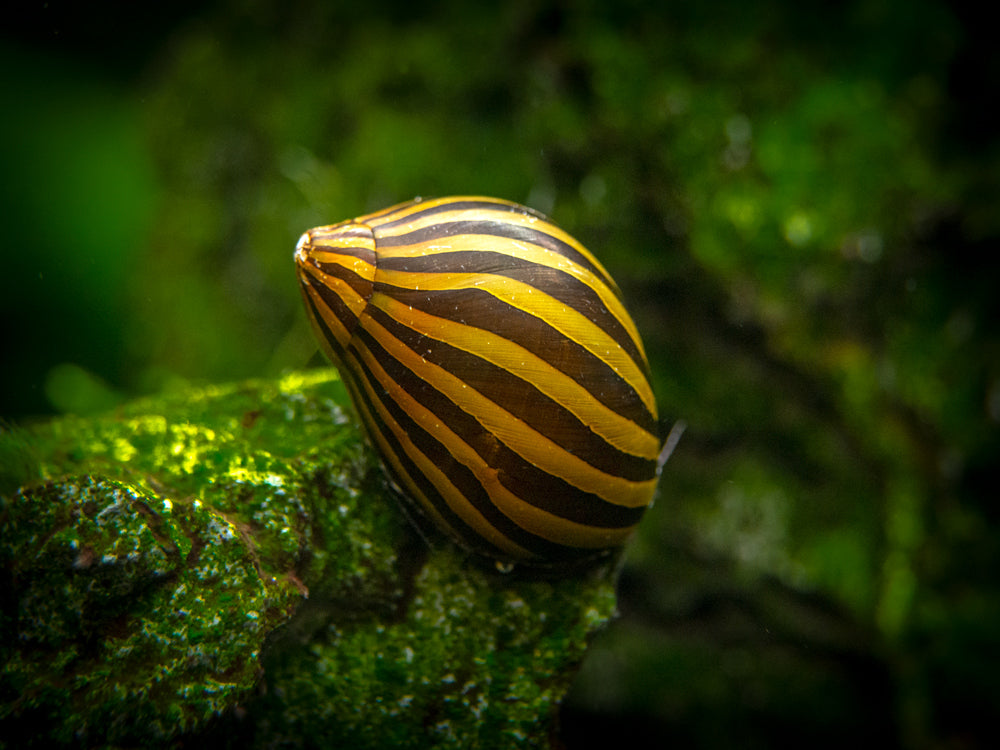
495,369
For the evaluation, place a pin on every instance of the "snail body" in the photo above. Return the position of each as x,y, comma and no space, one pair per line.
495,368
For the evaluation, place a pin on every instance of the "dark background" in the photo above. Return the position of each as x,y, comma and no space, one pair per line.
799,201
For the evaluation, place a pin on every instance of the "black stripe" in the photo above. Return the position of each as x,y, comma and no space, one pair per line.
563,286
460,475
336,304
480,309
343,229
375,215
523,400
362,285
473,205
363,253
374,425
495,229
326,334
547,492
352,372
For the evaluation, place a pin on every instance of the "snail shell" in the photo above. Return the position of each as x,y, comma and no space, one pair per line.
495,368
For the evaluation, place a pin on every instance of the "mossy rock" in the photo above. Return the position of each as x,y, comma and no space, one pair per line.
229,564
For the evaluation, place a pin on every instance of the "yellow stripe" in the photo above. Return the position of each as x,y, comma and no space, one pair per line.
451,494
344,233
402,210
569,322
531,445
399,210
343,290
360,267
332,321
617,430
412,489
539,522
528,252
502,214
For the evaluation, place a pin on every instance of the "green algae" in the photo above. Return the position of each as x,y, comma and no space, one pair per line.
473,662
231,556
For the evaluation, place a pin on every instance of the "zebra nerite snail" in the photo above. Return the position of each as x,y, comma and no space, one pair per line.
494,366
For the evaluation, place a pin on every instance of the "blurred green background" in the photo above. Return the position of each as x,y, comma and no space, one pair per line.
799,201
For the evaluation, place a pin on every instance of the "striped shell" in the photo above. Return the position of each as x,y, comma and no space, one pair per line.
494,366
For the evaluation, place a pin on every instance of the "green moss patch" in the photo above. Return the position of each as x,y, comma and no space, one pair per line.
231,557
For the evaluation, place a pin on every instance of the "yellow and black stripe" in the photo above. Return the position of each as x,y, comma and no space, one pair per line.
496,369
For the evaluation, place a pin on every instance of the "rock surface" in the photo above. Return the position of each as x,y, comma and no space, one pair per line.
228,563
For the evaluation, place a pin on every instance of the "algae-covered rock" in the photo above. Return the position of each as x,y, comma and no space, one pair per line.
229,563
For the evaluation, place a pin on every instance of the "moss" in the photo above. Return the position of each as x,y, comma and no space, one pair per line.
234,551
473,662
